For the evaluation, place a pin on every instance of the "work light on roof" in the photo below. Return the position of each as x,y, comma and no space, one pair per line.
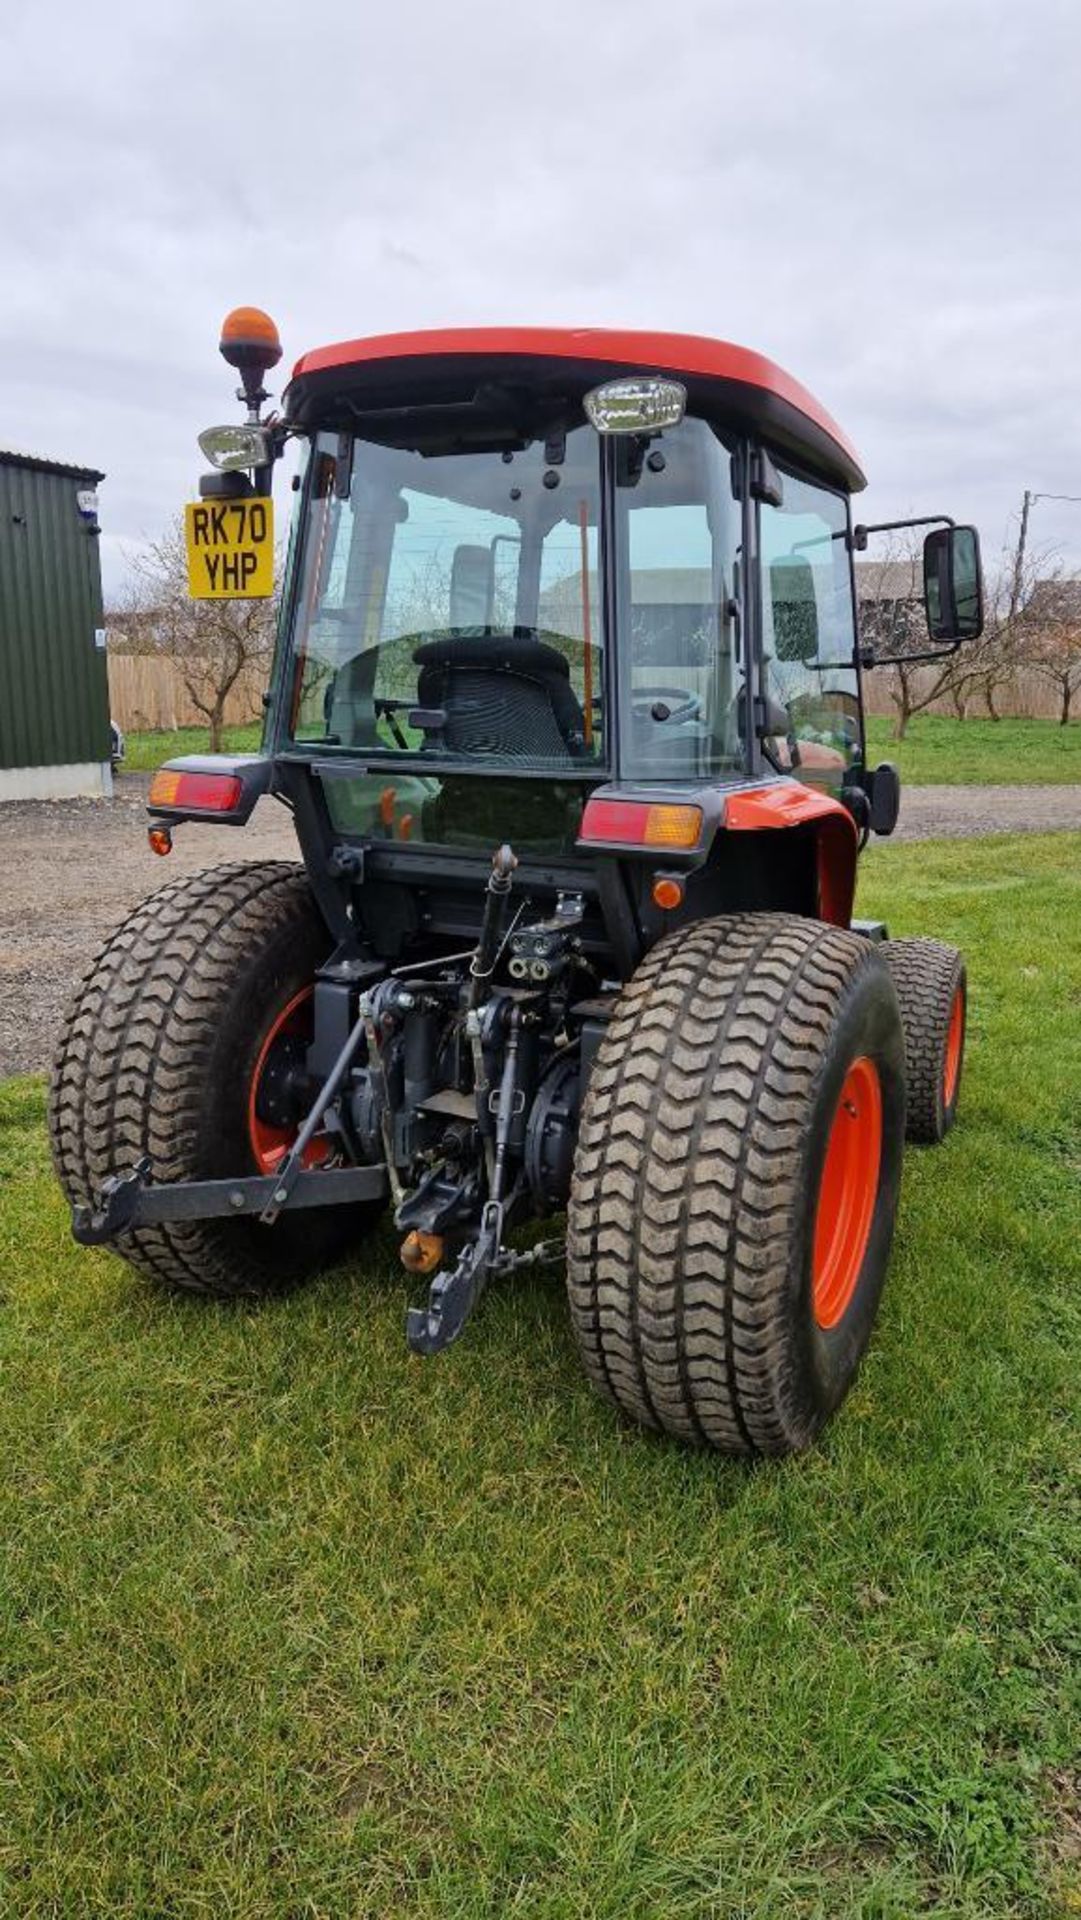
640,405
232,448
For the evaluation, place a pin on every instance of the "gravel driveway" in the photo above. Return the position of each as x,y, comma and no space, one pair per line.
69,872
960,813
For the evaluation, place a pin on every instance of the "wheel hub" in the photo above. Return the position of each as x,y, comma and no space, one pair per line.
274,1112
955,1034
846,1197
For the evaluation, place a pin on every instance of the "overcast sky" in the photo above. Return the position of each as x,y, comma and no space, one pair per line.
884,197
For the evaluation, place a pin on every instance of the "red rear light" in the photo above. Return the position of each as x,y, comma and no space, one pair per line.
201,792
641,823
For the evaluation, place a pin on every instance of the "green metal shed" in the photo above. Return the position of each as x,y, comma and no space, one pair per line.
54,690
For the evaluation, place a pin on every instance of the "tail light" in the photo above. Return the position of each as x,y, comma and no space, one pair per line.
640,823
195,792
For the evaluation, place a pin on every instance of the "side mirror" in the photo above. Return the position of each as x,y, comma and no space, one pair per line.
795,613
952,584
874,796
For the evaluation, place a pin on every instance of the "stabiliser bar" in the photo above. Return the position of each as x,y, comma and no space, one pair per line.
131,1201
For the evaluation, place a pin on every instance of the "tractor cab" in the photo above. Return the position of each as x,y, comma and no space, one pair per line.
523,563
566,705
534,574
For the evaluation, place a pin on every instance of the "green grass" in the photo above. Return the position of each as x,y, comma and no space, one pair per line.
936,749
145,752
983,752
298,1625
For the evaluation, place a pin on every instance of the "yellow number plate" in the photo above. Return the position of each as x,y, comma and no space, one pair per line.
230,549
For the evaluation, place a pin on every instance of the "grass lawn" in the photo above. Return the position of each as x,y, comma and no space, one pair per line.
297,1625
936,749
988,752
145,752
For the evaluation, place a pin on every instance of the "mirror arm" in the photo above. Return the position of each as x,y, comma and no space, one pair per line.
860,532
869,658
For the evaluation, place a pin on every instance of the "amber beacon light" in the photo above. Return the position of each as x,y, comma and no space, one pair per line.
250,343
249,338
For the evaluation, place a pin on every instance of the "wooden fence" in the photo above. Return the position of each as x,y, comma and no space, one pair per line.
1026,695
148,695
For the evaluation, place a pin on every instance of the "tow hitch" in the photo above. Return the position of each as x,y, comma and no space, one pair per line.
454,1293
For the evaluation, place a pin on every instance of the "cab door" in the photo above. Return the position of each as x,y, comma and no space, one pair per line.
808,632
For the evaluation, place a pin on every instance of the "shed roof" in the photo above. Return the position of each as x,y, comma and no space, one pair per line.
39,463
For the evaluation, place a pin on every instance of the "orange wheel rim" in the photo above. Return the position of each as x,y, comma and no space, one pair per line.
270,1143
955,1035
847,1194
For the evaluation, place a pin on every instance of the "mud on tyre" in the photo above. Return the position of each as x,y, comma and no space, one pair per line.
736,1181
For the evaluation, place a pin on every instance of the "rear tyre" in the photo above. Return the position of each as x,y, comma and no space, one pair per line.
736,1181
932,990
176,1047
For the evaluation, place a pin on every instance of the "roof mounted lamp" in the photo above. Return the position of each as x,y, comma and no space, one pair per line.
249,342
643,404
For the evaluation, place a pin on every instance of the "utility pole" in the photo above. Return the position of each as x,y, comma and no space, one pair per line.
1019,558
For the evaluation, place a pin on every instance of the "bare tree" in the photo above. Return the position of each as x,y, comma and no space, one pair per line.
1050,623
893,623
992,662
213,642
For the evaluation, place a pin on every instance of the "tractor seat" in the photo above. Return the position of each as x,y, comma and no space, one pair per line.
504,695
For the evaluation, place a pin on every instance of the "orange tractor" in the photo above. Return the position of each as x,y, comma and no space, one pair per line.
566,707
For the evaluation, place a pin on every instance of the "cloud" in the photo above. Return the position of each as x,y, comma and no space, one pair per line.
882,198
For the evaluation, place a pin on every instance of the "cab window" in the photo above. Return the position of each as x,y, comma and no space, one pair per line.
677,527
808,630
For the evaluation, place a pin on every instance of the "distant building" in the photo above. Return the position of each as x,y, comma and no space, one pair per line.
674,618
1054,603
889,599
54,694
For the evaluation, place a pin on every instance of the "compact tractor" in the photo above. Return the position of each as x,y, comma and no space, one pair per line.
566,706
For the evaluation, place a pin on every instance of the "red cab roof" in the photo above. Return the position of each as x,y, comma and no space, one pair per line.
692,356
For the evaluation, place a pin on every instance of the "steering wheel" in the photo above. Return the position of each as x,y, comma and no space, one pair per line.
666,703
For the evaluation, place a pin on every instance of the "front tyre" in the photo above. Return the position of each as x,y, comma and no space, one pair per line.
179,1046
736,1181
932,991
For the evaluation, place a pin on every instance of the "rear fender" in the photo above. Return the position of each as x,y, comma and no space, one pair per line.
768,807
787,803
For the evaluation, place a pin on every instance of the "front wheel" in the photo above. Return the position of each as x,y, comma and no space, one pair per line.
932,991
736,1181
180,1045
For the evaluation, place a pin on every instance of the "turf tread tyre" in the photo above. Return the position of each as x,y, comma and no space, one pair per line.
170,1004
927,975
690,1219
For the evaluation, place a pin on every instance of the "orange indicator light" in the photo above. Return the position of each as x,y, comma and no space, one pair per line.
667,892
